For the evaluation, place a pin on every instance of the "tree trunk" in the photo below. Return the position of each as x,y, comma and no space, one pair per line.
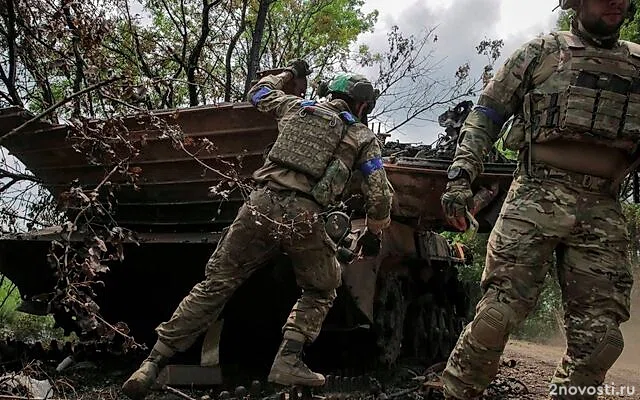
232,46
254,54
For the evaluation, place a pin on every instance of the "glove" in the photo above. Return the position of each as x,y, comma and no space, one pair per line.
299,68
377,225
457,199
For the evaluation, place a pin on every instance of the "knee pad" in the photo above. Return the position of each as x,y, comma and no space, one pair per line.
491,326
607,351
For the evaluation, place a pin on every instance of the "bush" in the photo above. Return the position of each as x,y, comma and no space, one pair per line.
545,320
542,323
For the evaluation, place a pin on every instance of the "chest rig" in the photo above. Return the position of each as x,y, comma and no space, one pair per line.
308,138
593,95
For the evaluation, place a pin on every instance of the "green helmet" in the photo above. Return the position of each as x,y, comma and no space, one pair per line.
356,87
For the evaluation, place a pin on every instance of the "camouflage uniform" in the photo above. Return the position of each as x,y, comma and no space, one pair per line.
283,199
284,214
546,210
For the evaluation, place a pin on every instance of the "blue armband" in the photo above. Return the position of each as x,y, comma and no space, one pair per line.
259,95
371,166
492,114
348,117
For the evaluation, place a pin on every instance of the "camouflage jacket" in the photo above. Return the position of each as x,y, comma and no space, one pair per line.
504,96
359,150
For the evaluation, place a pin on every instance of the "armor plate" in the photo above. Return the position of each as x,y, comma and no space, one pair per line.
593,95
307,140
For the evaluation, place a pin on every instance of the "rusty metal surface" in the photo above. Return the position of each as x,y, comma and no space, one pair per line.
173,194
56,233
419,185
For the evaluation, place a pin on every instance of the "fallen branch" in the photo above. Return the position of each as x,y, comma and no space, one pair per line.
58,105
178,393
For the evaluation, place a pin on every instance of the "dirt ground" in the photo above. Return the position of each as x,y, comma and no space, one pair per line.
532,364
535,363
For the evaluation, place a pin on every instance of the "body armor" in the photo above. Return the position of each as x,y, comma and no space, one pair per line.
593,95
308,139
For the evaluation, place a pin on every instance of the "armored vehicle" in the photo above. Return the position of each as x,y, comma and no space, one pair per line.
408,300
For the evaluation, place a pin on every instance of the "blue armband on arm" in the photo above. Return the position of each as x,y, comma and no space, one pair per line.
491,114
371,166
259,95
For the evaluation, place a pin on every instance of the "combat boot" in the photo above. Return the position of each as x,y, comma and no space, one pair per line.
288,367
139,383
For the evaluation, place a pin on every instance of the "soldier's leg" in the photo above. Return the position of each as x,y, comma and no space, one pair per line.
318,274
519,249
596,281
245,246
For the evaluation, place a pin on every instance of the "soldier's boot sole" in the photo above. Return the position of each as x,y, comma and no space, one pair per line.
140,382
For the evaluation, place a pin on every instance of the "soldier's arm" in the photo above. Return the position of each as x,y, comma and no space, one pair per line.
267,95
500,99
376,188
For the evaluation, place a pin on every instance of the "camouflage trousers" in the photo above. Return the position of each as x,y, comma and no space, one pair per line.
268,223
547,211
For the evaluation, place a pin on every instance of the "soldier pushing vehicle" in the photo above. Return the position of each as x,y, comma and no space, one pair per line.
306,172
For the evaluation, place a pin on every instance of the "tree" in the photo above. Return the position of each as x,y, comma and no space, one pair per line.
408,78
88,63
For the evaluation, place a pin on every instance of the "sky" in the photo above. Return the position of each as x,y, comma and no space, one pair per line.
460,25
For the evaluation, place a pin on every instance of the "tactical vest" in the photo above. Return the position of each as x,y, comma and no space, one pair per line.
593,95
307,141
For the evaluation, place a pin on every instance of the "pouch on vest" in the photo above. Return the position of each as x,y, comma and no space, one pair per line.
307,140
332,184
514,137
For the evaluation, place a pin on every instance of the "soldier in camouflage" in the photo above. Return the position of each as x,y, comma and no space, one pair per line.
575,101
306,171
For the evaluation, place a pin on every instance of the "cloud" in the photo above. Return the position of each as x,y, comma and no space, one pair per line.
460,26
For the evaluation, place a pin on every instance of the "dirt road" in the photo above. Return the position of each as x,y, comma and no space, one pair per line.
535,364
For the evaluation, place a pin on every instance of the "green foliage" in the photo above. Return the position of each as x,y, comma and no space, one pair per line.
564,20
21,326
632,215
310,28
545,320
542,322
629,31
165,47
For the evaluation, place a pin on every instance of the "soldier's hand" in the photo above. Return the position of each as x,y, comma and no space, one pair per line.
457,199
299,68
